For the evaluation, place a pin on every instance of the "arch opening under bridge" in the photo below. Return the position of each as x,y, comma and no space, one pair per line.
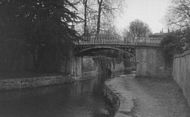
92,51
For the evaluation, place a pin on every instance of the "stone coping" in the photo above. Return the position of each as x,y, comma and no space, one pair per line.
39,81
7,84
187,52
125,106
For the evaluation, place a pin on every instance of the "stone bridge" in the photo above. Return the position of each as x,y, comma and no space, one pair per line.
148,56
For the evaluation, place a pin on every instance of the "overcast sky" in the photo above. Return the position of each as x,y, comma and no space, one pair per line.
151,12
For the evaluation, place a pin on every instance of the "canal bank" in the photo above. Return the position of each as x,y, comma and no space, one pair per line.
120,99
40,81
146,97
42,85
82,98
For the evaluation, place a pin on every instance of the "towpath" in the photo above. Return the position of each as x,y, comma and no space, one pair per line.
154,97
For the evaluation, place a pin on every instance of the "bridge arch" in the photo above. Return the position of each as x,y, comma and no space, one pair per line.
96,48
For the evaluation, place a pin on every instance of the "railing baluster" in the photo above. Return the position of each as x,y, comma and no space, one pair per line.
107,39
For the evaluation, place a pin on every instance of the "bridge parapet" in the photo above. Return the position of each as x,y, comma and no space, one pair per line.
84,43
103,39
154,40
110,40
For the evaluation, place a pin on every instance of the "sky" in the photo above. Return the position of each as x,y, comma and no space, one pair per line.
152,12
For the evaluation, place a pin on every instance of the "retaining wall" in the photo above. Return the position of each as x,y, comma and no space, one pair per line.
151,63
112,99
33,82
181,72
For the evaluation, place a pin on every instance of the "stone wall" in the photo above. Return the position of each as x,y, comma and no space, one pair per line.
181,72
76,67
33,82
150,62
112,100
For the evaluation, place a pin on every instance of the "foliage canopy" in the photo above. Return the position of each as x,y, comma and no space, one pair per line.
45,26
171,45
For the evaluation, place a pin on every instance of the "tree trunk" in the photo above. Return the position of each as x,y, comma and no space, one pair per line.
99,15
85,16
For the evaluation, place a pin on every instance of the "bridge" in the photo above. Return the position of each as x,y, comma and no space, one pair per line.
147,53
107,42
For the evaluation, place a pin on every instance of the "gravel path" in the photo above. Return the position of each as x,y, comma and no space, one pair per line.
156,98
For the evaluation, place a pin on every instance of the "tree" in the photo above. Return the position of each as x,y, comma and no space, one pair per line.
171,45
179,14
106,10
139,29
179,19
99,15
85,3
44,26
128,37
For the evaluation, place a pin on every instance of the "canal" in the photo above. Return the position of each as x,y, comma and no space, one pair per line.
79,99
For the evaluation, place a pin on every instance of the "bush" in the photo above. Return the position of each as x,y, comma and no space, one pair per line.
171,44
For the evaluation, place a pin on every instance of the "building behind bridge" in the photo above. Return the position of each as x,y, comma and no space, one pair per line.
153,38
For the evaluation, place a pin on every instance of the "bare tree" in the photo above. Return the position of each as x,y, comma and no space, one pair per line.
179,14
138,29
106,10
179,20
99,15
128,37
85,16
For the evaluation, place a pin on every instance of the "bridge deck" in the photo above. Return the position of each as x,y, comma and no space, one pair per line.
107,40
117,44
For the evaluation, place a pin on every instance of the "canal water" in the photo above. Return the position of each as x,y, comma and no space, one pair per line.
80,99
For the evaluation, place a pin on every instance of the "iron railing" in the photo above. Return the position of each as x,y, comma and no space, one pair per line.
106,39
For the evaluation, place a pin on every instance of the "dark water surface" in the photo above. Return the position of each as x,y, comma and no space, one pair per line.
80,99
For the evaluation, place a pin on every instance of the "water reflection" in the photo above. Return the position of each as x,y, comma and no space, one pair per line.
70,100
